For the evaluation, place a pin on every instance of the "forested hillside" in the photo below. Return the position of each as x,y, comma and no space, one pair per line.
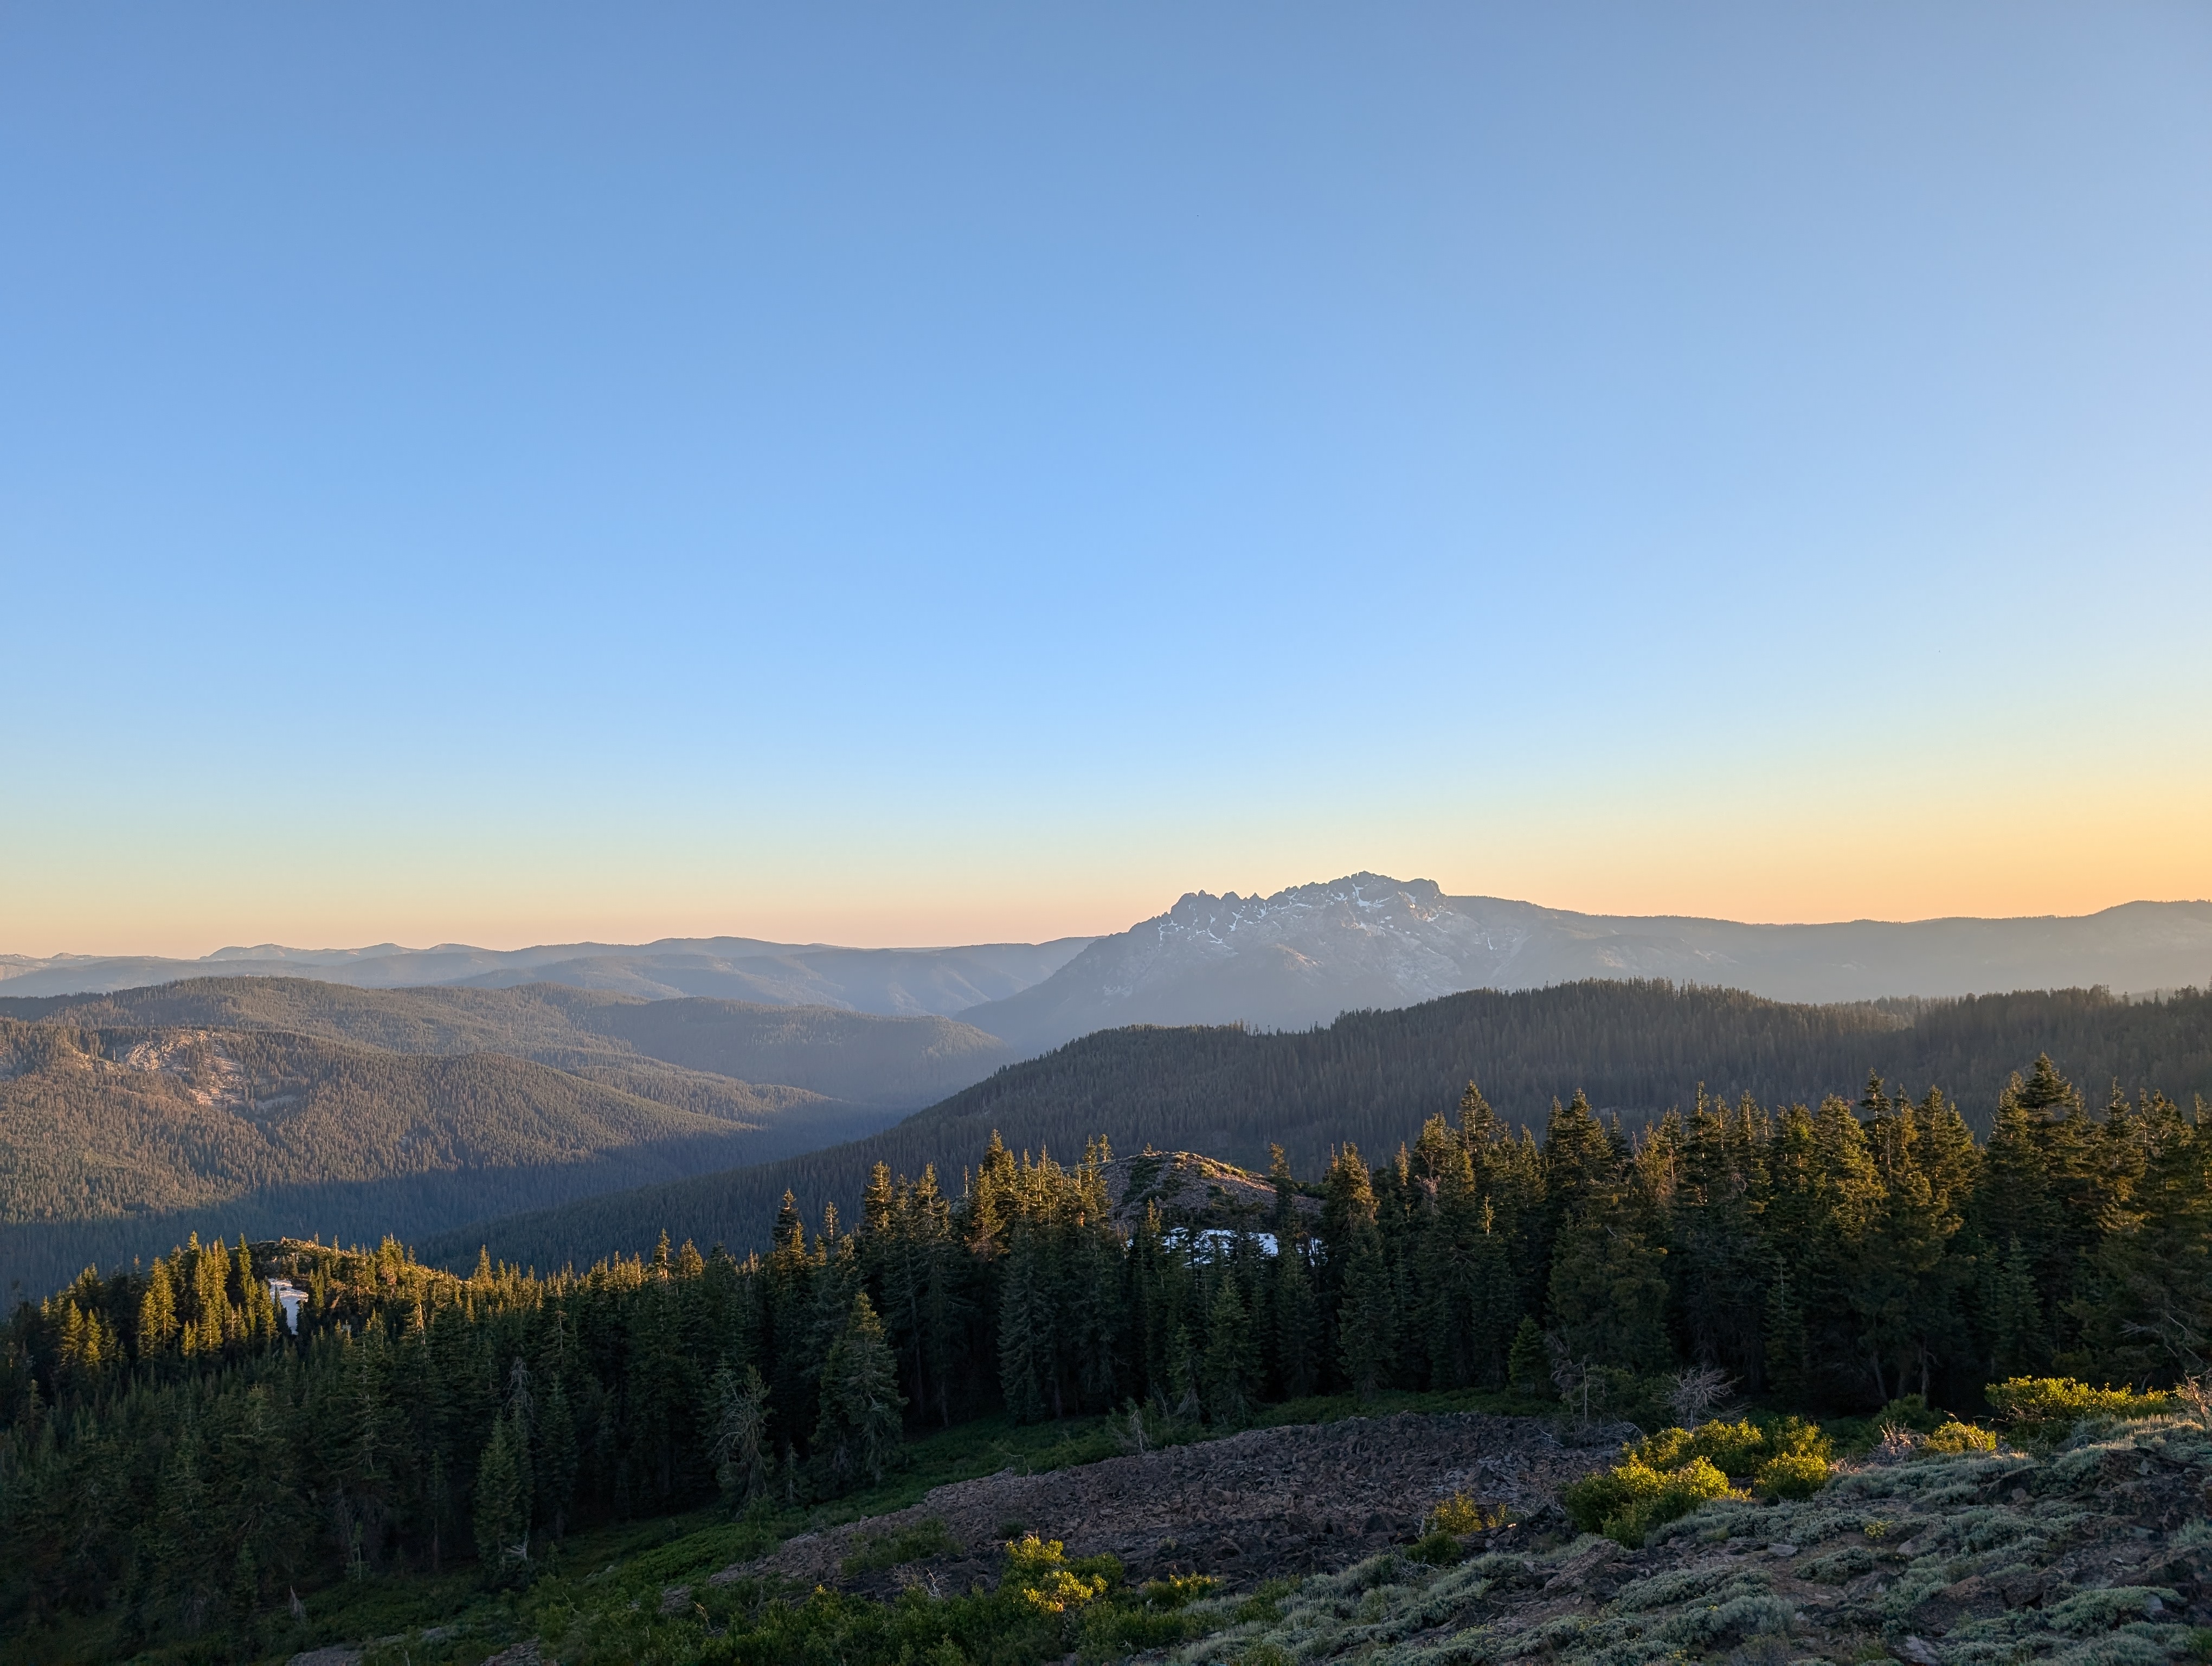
173,1457
114,1142
1374,1077
898,1063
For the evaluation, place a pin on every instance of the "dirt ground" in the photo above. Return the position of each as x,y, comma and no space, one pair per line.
1265,1503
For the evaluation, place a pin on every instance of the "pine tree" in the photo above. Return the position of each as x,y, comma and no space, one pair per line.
217,1321
860,1431
1347,1212
1788,1356
555,1467
502,1516
1609,1294
2014,1343
1455,1265
1580,1162
1095,1316
2145,1305
1718,1259
1230,1374
157,1312
741,1444
1367,1333
1494,1308
1528,1366
1296,1319
1024,1331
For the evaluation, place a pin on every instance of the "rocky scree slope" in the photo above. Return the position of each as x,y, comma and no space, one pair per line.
1259,1505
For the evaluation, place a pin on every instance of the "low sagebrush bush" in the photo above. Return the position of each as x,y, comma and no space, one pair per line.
1791,1475
2049,1405
1955,1437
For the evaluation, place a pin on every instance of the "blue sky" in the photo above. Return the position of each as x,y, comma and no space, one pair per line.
511,472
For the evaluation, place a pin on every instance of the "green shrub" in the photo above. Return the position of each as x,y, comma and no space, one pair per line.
1909,1412
1177,1590
1460,1514
1153,1617
1790,1476
880,1552
1113,1632
1738,1450
1040,1571
1437,1549
1734,1449
1957,1436
1596,1499
2049,1405
1627,1501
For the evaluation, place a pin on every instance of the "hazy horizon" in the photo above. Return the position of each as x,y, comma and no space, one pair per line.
542,939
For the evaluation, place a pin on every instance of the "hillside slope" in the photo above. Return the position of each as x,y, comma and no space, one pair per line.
1373,1077
1306,954
900,1063
118,1141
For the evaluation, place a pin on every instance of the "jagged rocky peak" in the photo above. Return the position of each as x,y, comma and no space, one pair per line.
1369,900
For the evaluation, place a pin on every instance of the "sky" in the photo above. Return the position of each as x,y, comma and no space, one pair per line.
509,473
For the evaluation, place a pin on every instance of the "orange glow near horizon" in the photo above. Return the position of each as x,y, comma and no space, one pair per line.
1803,871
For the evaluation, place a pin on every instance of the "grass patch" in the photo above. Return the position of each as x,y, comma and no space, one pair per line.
879,1553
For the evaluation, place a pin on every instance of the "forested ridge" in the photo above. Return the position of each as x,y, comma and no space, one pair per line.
116,1141
1373,1077
170,1453
861,1057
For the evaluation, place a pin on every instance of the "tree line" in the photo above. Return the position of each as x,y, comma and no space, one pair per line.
1374,1077
172,1449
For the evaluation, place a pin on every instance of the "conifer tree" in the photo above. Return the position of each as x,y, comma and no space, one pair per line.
1609,1293
1366,1324
1230,1374
1024,1331
2011,1317
1788,1355
1528,1365
2145,1303
501,1515
741,1444
556,1468
860,1430
1297,1321
1717,1264
157,1312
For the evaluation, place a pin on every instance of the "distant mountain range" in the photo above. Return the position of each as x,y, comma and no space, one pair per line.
1302,955
893,982
1289,961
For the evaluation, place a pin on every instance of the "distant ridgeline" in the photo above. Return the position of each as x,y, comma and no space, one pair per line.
1373,1077
167,1443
